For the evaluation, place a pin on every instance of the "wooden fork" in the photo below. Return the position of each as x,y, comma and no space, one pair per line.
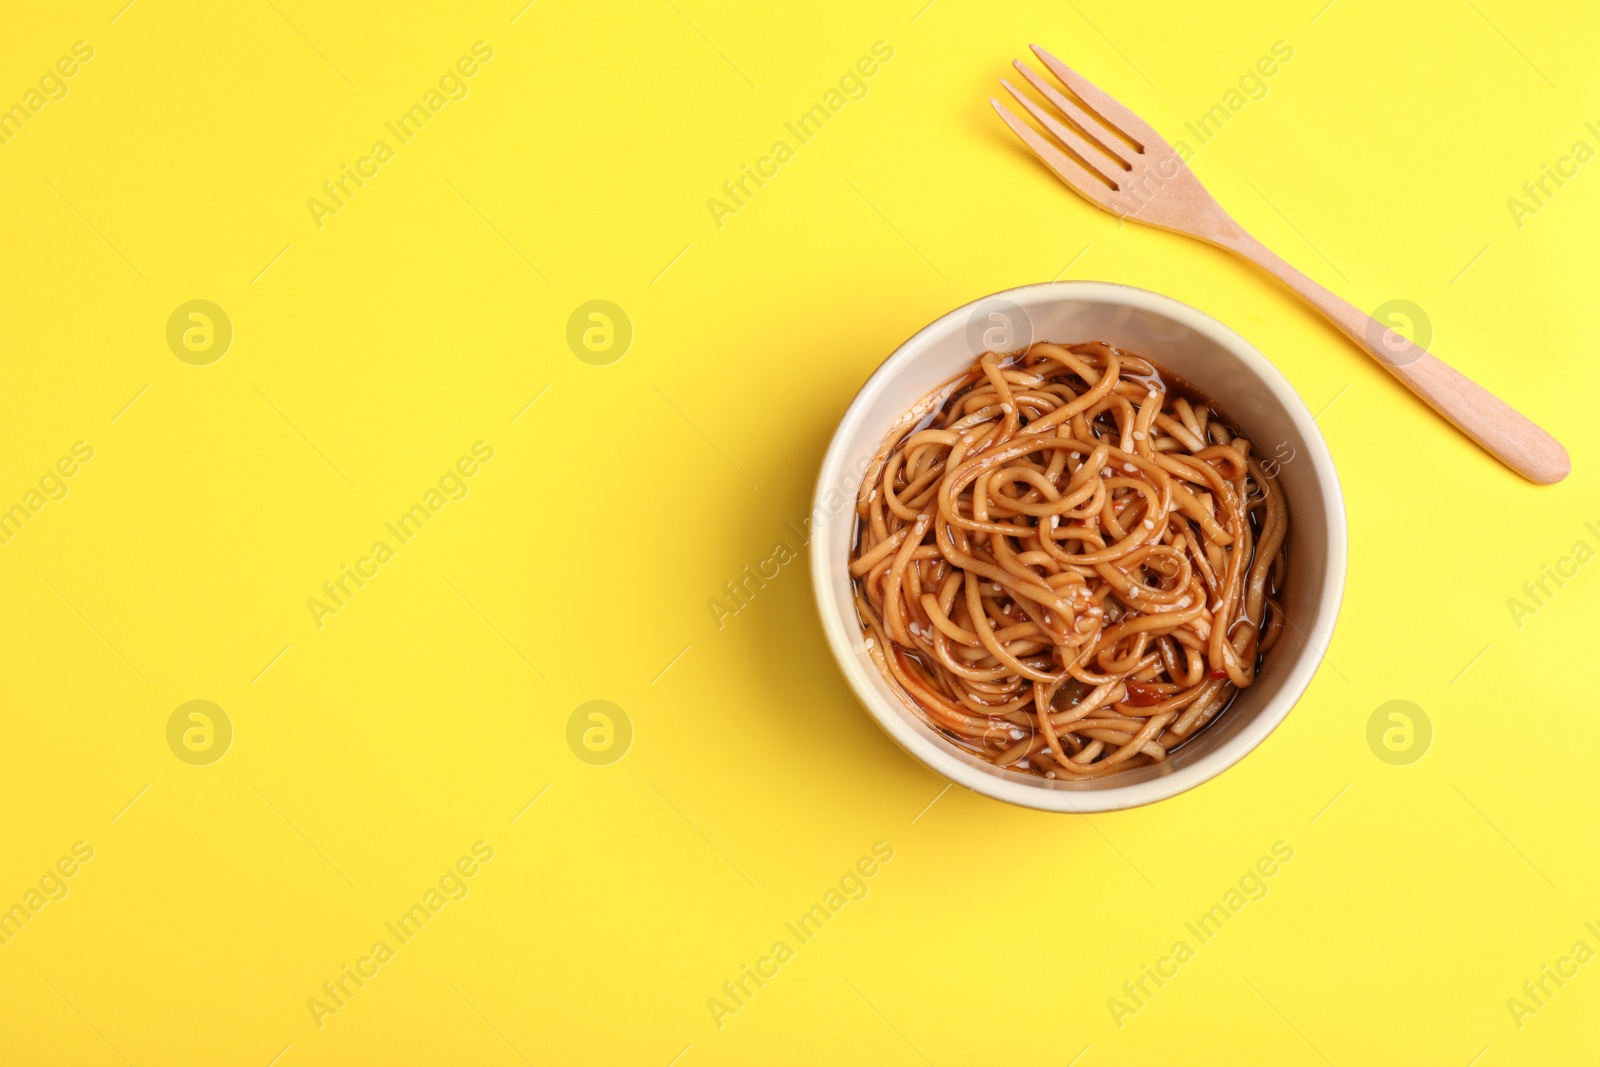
1115,160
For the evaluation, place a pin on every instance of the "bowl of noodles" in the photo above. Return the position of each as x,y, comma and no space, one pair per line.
1078,546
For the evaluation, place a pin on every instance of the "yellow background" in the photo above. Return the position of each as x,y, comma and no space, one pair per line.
370,753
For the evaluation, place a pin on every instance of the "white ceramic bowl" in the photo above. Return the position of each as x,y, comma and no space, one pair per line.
1226,368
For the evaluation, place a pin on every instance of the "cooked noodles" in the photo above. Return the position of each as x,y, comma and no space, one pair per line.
1068,561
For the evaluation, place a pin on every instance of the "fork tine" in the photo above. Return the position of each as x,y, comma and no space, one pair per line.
1083,148
1113,115
1084,120
1065,167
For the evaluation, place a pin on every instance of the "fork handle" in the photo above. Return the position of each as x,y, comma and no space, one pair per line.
1496,426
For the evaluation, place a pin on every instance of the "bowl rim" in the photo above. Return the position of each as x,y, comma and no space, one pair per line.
939,755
